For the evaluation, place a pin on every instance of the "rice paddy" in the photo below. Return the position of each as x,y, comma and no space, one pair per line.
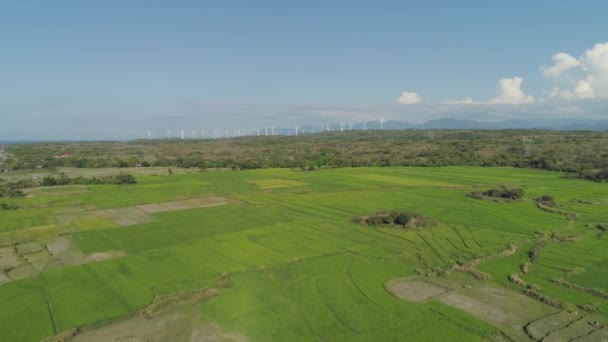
284,261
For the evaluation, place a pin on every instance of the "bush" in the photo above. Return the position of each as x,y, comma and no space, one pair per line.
546,200
123,178
357,219
8,206
403,218
505,192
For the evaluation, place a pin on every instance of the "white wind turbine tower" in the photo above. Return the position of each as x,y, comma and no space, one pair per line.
181,133
297,129
149,136
203,134
341,127
365,125
193,135
381,123
272,130
168,135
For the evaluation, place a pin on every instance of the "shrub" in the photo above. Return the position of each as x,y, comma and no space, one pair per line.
403,218
505,192
8,206
124,178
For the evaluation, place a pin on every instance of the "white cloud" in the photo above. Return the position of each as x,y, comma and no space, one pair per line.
582,90
561,63
465,101
582,78
409,98
508,91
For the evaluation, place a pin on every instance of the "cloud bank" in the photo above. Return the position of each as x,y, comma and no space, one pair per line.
585,77
409,98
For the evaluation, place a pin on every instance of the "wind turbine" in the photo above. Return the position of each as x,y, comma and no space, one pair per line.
149,136
364,125
381,123
168,135
181,133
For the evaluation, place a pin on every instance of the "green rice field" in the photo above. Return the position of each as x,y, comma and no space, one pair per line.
289,264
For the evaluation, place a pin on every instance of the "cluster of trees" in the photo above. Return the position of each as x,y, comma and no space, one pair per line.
504,192
63,179
402,218
574,152
594,175
14,189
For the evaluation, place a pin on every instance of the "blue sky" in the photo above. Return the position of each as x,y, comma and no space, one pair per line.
128,66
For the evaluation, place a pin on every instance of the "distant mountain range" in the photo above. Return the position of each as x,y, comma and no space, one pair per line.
449,123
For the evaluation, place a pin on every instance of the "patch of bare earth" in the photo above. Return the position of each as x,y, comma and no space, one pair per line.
56,191
169,318
192,203
101,256
597,335
583,325
414,290
143,213
177,325
124,216
60,252
8,258
507,310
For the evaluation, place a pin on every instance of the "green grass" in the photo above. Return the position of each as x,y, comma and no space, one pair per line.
301,269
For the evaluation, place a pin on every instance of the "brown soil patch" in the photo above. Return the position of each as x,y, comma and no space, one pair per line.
58,253
162,303
101,256
543,327
58,246
507,310
22,272
38,260
29,247
180,323
598,335
491,313
582,326
55,191
204,202
413,289
8,258
124,216
3,278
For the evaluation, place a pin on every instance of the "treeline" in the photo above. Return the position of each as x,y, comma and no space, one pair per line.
579,153
15,189
63,179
